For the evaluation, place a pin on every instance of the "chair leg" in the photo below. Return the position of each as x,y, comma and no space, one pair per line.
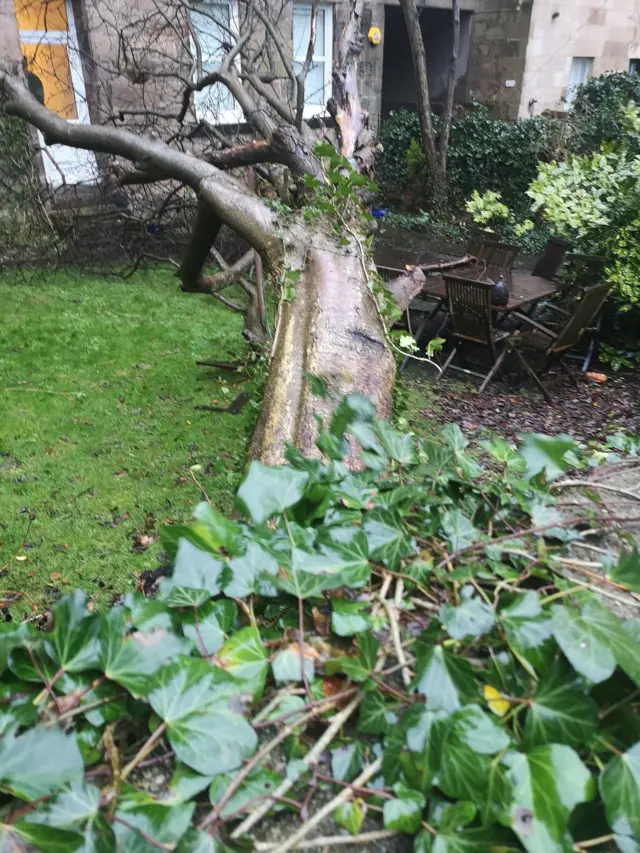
417,338
565,368
493,371
448,362
533,375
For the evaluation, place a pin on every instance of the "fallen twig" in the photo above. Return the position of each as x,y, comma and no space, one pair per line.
309,760
343,797
332,840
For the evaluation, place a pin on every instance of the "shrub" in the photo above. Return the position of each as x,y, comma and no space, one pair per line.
485,154
137,729
593,201
596,110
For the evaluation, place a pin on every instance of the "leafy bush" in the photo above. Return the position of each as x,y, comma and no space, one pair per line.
137,729
485,154
593,201
597,110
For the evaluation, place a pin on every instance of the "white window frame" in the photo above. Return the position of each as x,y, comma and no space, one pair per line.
234,115
85,159
581,69
326,56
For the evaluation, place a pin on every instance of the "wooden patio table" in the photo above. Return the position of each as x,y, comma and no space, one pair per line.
524,290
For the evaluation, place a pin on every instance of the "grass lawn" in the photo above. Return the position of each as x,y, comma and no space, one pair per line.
98,431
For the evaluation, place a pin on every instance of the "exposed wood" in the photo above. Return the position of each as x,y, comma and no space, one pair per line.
406,287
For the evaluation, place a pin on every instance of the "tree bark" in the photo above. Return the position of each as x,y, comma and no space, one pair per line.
447,118
330,329
427,133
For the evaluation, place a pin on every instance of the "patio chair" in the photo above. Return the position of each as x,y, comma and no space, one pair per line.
494,255
585,319
553,258
472,316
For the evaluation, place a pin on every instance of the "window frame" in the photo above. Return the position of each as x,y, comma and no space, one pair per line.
234,115
311,110
634,65
572,87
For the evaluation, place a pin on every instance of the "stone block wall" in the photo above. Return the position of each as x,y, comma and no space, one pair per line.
608,33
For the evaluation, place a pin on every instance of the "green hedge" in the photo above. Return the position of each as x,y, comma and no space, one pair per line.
485,154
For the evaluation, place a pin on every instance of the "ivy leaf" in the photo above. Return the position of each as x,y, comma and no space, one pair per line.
349,617
214,742
266,492
73,643
347,761
368,648
194,568
245,658
459,530
405,813
206,626
311,574
423,737
249,573
39,762
529,631
186,784
194,841
260,783
594,640
445,680
397,446
471,738
506,455
132,660
351,815
41,837
190,686
627,570
74,807
493,840
386,538
560,711
375,718
224,534
543,453
286,665
165,824
181,596
620,791
548,783
16,637
471,619
457,816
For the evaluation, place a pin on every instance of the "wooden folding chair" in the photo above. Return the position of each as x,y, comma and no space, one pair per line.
472,322
585,319
553,258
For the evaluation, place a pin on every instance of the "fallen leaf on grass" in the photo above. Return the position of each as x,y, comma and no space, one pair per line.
21,558
597,377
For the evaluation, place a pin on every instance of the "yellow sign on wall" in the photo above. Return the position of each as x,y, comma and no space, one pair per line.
375,36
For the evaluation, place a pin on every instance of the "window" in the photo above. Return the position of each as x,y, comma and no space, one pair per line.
215,23
634,66
318,85
54,75
580,73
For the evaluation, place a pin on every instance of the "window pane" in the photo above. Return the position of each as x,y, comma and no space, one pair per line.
580,71
302,31
314,92
50,63
41,15
212,28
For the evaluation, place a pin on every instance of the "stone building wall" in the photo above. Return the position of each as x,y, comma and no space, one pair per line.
607,32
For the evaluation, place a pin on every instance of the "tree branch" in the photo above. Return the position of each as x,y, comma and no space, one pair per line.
306,67
247,215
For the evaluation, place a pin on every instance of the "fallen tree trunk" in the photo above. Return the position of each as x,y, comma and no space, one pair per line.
331,329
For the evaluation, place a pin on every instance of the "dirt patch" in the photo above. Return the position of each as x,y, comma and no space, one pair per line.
587,411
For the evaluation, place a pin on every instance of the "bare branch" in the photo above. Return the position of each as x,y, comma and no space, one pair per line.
306,67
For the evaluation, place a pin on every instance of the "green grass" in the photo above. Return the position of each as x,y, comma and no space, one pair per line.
98,431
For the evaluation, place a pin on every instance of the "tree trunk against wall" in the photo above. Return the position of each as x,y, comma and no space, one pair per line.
436,154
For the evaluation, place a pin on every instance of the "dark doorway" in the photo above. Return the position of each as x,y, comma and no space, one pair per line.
398,81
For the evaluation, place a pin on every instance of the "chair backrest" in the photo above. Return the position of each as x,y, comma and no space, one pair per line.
549,264
497,256
583,316
478,239
470,309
